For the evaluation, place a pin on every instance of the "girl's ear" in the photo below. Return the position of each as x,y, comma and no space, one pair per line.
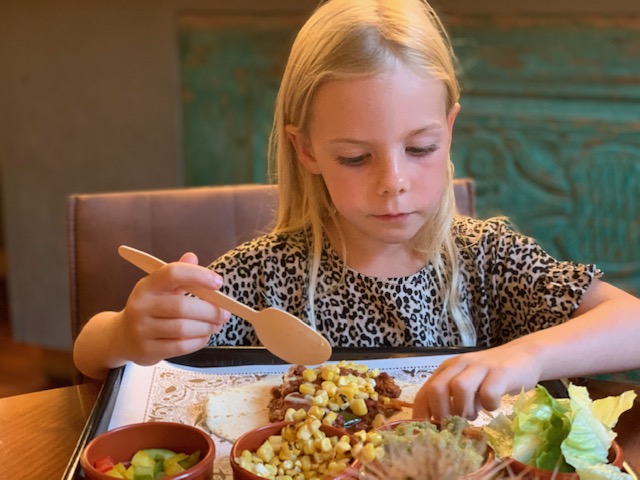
452,116
303,149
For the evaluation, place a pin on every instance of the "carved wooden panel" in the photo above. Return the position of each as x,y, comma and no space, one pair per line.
231,66
550,130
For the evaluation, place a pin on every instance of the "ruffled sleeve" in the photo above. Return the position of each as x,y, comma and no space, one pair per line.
524,288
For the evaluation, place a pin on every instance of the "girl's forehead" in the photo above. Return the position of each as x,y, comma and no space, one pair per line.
398,96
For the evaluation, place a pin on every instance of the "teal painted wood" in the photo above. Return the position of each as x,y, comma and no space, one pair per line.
550,130
230,76
551,57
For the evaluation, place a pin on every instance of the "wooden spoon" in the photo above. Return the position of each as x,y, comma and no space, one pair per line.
284,335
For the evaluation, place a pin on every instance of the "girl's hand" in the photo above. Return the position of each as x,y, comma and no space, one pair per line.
464,384
160,321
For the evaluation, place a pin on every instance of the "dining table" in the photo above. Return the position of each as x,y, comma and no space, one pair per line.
39,432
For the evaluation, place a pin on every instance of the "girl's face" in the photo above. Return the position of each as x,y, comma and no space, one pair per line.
381,145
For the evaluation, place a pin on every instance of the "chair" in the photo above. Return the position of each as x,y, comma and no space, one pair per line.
208,221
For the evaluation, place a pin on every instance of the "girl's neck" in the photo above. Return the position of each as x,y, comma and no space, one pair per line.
373,258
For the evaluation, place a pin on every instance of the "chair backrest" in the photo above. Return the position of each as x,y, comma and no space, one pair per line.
208,221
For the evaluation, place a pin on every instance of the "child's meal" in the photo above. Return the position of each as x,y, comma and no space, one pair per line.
566,435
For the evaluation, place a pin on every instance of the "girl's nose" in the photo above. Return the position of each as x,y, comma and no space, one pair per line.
391,177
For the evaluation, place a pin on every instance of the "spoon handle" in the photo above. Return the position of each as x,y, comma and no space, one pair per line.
150,264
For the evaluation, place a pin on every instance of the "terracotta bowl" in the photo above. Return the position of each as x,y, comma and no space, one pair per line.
122,443
486,470
616,457
253,439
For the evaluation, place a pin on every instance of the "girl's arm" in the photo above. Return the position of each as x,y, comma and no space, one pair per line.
601,337
158,322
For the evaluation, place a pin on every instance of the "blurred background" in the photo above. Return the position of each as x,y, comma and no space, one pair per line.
116,95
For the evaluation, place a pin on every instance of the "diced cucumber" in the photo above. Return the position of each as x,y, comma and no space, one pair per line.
143,473
191,460
156,453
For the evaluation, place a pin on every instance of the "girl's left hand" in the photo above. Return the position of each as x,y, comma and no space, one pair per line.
464,384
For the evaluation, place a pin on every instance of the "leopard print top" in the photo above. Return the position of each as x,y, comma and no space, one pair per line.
510,287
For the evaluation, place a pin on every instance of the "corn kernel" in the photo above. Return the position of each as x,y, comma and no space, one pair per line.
368,453
328,375
321,399
329,418
304,432
307,388
359,407
309,375
305,463
375,438
329,387
289,433
333,406
288,415
360,435
378,420
343,446
299,415
325,445
361,368
347,392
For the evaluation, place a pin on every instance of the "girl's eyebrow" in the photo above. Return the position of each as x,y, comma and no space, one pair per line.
425,129
418,131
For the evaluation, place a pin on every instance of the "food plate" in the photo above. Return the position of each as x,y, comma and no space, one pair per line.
174,391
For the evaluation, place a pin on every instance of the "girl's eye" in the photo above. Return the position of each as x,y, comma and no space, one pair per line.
349,161
420,151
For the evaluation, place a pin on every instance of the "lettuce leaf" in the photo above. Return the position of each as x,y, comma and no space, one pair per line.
572,434
589,440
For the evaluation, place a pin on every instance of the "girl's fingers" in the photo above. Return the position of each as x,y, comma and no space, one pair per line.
464,388
179,275
434,398
492,389
181,329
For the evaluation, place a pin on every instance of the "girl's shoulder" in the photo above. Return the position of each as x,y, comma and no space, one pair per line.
495,236
467,230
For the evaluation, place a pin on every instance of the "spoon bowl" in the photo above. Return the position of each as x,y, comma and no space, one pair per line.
283,334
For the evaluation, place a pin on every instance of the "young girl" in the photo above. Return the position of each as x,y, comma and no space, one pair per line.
367,247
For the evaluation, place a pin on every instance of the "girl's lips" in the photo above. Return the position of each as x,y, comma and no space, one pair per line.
390,217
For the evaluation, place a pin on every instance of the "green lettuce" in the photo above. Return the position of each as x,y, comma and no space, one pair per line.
573,434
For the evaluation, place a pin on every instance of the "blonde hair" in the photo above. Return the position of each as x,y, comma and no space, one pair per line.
349,39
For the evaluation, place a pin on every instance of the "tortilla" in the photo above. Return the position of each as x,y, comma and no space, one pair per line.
233,411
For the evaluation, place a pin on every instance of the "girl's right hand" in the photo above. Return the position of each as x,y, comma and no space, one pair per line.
159,321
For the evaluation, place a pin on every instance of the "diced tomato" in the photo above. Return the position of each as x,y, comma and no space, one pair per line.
104,464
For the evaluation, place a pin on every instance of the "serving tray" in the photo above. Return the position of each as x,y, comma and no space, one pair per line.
102,412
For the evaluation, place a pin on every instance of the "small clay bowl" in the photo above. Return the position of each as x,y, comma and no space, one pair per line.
253,439
123,442
486,470
616,457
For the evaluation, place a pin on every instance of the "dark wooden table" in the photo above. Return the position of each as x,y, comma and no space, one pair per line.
39,431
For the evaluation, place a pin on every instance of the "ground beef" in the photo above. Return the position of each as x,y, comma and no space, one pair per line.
284,397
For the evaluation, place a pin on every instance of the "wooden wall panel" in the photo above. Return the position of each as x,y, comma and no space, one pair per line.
550,130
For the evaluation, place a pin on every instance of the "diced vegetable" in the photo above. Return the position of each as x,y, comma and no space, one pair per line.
149,464
104,464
